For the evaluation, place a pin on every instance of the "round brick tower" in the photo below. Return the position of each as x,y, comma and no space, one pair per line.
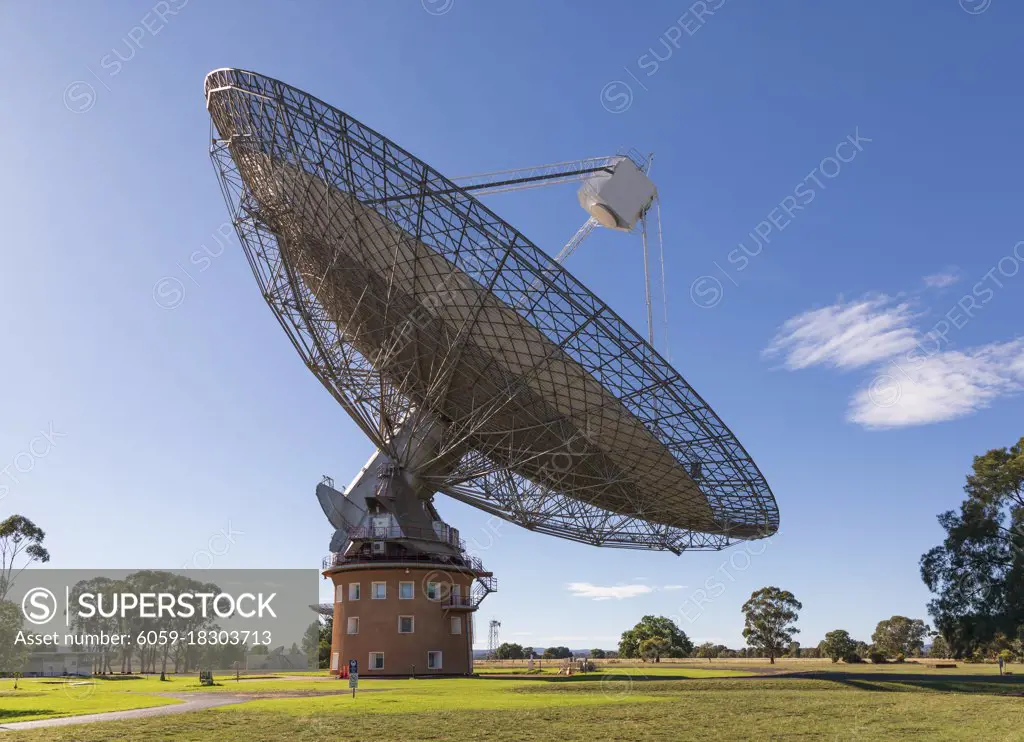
402,617
405,589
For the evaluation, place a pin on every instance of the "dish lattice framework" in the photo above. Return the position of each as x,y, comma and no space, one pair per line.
285,139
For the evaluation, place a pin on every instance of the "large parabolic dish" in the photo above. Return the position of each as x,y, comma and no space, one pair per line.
429,317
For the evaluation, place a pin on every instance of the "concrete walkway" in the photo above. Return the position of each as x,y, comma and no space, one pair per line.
195,701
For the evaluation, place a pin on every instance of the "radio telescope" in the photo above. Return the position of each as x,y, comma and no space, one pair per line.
478,366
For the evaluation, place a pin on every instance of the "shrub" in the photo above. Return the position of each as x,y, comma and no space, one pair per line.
901,657
876,657
852,659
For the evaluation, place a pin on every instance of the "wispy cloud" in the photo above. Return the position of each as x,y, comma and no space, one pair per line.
942,386
942,279
673,587
607,592
846,335
918,378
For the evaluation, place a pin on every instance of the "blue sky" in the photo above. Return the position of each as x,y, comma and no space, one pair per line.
843,352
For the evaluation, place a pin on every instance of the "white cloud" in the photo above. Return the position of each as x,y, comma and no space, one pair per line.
942,279
607,592
846,335
673,587
916,380
924,389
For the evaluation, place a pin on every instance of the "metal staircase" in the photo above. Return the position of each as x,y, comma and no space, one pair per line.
482,587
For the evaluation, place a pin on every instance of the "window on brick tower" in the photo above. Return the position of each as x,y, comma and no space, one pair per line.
433,591
405,624
433,660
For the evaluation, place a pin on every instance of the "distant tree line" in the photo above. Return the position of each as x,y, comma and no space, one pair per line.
21,544
769,617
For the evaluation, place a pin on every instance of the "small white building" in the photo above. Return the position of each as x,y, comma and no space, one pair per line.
59,661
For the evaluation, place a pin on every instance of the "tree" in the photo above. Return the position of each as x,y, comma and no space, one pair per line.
977,573
316,642
838,645
939,648
899,635
768,616
557,653
12,656
598,654
708,650
677,644
19,537
653,648
507,651
1000,643
794,649
104,587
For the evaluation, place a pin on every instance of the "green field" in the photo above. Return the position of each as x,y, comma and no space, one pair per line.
801,701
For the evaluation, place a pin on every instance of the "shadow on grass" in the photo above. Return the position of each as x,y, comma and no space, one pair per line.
8,715
597,677
1006,685
60,680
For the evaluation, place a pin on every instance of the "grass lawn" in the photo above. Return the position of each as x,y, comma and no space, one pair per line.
862,703
49,697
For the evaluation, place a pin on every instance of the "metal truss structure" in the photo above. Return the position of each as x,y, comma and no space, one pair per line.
516,179
433,321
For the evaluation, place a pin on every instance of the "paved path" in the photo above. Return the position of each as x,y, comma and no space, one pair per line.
227,679
192,702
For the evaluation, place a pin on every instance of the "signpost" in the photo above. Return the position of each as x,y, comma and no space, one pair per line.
353,676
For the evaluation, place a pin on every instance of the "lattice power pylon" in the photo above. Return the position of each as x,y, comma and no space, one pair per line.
492,638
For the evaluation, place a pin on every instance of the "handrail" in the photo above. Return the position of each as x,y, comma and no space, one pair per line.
337,559
396,532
